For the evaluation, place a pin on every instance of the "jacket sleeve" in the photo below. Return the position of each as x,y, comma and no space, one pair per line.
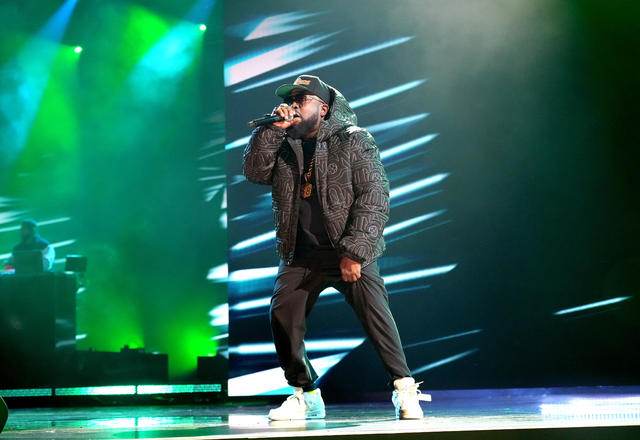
260,154
370,209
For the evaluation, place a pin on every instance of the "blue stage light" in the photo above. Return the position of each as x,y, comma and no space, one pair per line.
385,93
443,361
415,186
393,151
329,62
592,305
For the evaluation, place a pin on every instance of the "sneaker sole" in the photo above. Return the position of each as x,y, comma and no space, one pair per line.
307,416
410,418
401,416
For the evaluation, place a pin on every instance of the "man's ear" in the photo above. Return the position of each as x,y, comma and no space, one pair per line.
325,110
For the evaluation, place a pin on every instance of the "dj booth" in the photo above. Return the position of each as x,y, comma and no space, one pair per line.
38,339
37,328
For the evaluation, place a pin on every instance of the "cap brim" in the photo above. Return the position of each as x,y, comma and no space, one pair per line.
285,90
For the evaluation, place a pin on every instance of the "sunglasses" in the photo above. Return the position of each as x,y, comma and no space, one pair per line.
300,99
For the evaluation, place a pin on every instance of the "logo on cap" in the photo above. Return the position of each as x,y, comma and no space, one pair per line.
304,82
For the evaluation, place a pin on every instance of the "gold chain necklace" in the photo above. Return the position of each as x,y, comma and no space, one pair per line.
307,187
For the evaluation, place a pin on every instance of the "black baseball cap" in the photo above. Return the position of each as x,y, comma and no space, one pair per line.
310,83
30,223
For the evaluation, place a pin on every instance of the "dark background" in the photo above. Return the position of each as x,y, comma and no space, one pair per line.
534,103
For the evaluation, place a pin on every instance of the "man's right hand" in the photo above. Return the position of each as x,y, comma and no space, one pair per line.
287,114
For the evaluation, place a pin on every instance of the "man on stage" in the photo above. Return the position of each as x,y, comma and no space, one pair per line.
331,203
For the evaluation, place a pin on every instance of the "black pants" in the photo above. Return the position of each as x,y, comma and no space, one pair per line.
295,292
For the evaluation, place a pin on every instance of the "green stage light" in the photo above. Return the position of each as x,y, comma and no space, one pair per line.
203,27
97,391
78,49
117,390
29,392
175,389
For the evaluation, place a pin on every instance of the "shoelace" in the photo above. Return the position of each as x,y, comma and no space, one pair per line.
409,392
424,398
295,396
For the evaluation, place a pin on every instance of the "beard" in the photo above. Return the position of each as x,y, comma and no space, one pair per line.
304,127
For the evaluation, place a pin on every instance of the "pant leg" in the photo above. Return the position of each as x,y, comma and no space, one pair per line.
369,299
295,292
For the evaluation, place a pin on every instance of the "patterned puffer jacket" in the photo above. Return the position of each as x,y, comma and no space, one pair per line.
352,185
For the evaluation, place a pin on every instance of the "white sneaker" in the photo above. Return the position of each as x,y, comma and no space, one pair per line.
299,406
406,398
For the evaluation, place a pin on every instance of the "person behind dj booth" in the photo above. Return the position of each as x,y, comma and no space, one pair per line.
32,241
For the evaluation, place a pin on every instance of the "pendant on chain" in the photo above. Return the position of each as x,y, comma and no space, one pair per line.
306,190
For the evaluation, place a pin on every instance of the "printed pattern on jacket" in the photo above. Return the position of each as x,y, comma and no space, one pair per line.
352,184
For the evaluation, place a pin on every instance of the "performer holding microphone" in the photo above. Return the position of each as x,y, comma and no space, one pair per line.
331,204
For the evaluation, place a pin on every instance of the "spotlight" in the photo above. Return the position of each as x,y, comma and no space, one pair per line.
203,27
78,49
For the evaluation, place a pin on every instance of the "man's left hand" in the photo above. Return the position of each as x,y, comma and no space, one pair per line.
350,270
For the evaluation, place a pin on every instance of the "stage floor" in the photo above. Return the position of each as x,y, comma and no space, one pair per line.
522,413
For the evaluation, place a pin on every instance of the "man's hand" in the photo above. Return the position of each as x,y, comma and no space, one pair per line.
350,270
287,113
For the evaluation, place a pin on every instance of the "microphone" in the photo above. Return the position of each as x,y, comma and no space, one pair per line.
268,119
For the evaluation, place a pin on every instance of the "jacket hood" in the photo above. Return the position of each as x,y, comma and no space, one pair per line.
340,116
